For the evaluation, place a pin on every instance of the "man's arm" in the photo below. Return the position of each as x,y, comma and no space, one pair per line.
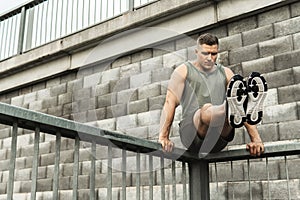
173,96
256,146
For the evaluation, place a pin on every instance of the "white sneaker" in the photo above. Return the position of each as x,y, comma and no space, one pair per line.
236,98
257,92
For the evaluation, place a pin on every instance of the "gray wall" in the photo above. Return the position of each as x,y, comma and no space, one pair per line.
119,82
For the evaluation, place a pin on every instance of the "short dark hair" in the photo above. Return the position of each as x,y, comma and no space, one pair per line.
207,39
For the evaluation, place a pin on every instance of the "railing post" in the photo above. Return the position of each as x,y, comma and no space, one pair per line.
21,31
199,180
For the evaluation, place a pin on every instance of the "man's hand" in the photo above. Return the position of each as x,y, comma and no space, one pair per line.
255,148
166,144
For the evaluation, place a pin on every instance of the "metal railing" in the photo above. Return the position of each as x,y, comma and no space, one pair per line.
41,21
177,175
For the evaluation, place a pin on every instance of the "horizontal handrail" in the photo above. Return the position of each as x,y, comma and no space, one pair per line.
50,124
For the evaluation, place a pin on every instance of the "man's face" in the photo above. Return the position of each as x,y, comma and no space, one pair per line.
207,56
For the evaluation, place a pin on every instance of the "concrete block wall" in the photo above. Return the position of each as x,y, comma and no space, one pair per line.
127,95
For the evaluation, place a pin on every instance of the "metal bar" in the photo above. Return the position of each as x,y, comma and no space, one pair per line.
162,177
151,180
35,163
6,35
1,39
56,18
174,179
183,177
130,5
199,180
109,172
29,29
287,178
76,168
12,163
46,24
93,172
231,169
10,40
249,179
138,175
217,181
268,177
56,166
124,169
36,24
41,22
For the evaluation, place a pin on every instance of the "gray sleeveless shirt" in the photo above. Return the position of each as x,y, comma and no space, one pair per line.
201,88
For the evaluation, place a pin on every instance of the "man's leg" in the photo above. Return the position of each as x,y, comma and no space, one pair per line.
210,116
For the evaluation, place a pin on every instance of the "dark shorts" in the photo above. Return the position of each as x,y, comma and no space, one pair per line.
213,142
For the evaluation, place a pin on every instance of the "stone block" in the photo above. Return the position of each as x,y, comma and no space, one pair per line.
243,54
53,82
83,182
296,71
117,110
151,64
138,106
65,194
186,41
268,132
258,35
163,74
17,101
289,130
65,98
280,113
82,94
74,85
127,96
47,159
156,103
149,118
289,94
295,9
262,65
107,100
44,184
91,80
163,48
30,97
287,27
119,85
140,79
287,60
141,55
129,70
56,111
223,58
22,174
191,55
139,132
283,78
242,25
272,97
240,190
126,122
5,133
230,42
273,16
148,91
68,77
276,46
296,40
277,189
58,89
125,60
111,74
172,60
50,102
43,94
102,89
107,124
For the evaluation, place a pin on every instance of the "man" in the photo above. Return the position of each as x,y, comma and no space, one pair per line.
210,110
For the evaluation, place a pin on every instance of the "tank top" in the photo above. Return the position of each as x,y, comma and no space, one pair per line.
201,88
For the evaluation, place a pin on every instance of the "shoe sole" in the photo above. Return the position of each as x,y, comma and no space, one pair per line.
257,92
236,97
